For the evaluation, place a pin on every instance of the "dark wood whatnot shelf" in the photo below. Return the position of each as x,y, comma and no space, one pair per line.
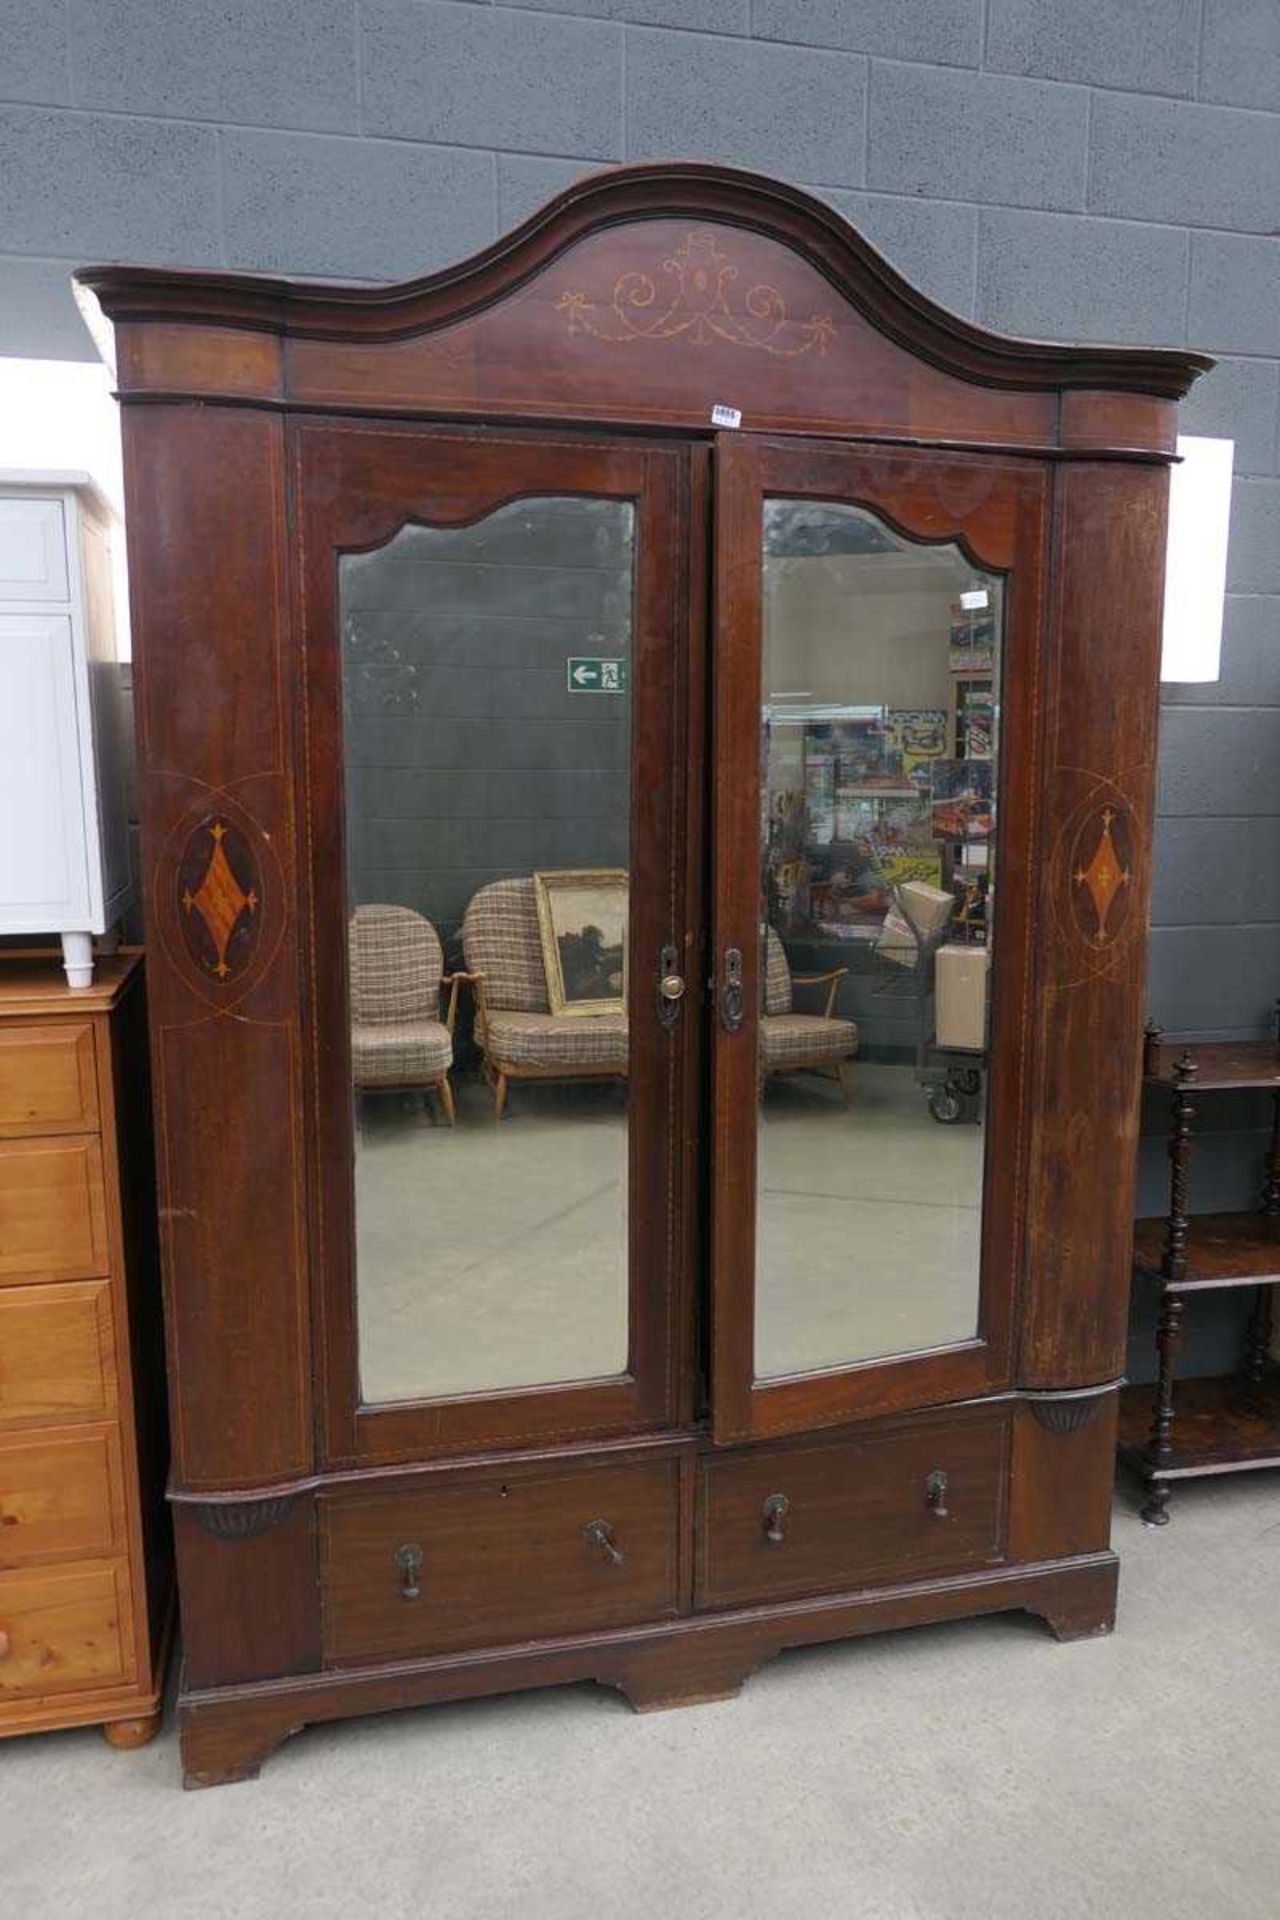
1220,1064
1220,1425
1222,1250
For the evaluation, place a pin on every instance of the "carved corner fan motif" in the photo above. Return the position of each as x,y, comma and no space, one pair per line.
697,308
220,896
1101,876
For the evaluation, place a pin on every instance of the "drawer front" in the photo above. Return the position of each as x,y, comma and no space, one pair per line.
63,1629
61,1494
48,1083
33,550
501,1560
859,1511
53,1222
57,1353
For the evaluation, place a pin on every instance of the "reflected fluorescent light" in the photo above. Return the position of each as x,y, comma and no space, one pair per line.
1195,580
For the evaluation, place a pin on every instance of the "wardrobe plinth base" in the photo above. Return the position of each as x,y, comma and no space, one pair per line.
228,1732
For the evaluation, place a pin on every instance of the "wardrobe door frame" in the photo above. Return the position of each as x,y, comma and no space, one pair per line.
354,485
996,508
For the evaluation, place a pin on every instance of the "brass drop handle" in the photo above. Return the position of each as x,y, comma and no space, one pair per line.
598,1533
935,1492
774,1512
409,1561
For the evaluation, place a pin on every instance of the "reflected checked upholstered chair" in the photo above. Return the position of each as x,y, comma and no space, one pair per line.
792,1042
520,1036
398,1040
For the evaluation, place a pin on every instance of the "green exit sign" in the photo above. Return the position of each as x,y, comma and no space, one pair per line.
588,673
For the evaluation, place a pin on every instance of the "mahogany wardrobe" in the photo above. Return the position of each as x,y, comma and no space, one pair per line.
647,747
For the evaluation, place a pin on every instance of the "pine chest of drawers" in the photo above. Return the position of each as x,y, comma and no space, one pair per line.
85,1560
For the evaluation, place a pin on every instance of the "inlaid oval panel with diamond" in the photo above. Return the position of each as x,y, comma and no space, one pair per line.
1101,873
219,902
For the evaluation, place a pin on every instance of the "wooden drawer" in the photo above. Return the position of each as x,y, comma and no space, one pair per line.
858,1509
503,1559
60,1494
53,1222
63,1628
48,1081
57,1353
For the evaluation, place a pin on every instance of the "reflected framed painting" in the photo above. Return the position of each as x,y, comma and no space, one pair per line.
582,918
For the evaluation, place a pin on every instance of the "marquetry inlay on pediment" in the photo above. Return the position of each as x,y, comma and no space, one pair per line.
694,294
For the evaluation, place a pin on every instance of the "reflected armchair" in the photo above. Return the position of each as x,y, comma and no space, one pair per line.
792,1042
399,1043
520,1036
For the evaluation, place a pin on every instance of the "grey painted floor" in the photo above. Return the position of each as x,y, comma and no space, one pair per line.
976,1771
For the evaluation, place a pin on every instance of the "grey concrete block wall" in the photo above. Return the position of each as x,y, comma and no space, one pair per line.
1108,169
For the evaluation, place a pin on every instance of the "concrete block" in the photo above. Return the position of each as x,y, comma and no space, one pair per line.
784,110
492,77
39,319
1253,553
1149,45
1213,980
1241,59
1219,761
526,183
1239,400
369,209
1080,279
1235,294
1250,659
946,31
285,63
696,16
970,136
33,36
934,243
1172,160
1217,872
97,187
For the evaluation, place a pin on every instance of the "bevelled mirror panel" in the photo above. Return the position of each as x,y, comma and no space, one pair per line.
880,729
487,749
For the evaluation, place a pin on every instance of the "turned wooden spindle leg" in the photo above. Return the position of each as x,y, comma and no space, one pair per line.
1271,1183
1152,1036
1257,1357
1257,1362
1174,1270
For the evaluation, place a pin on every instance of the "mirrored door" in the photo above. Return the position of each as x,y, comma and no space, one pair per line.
499,653
873,779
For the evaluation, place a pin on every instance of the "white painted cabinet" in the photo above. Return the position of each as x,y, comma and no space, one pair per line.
64,828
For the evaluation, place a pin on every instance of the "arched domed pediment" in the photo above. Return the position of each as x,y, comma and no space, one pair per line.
645,294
